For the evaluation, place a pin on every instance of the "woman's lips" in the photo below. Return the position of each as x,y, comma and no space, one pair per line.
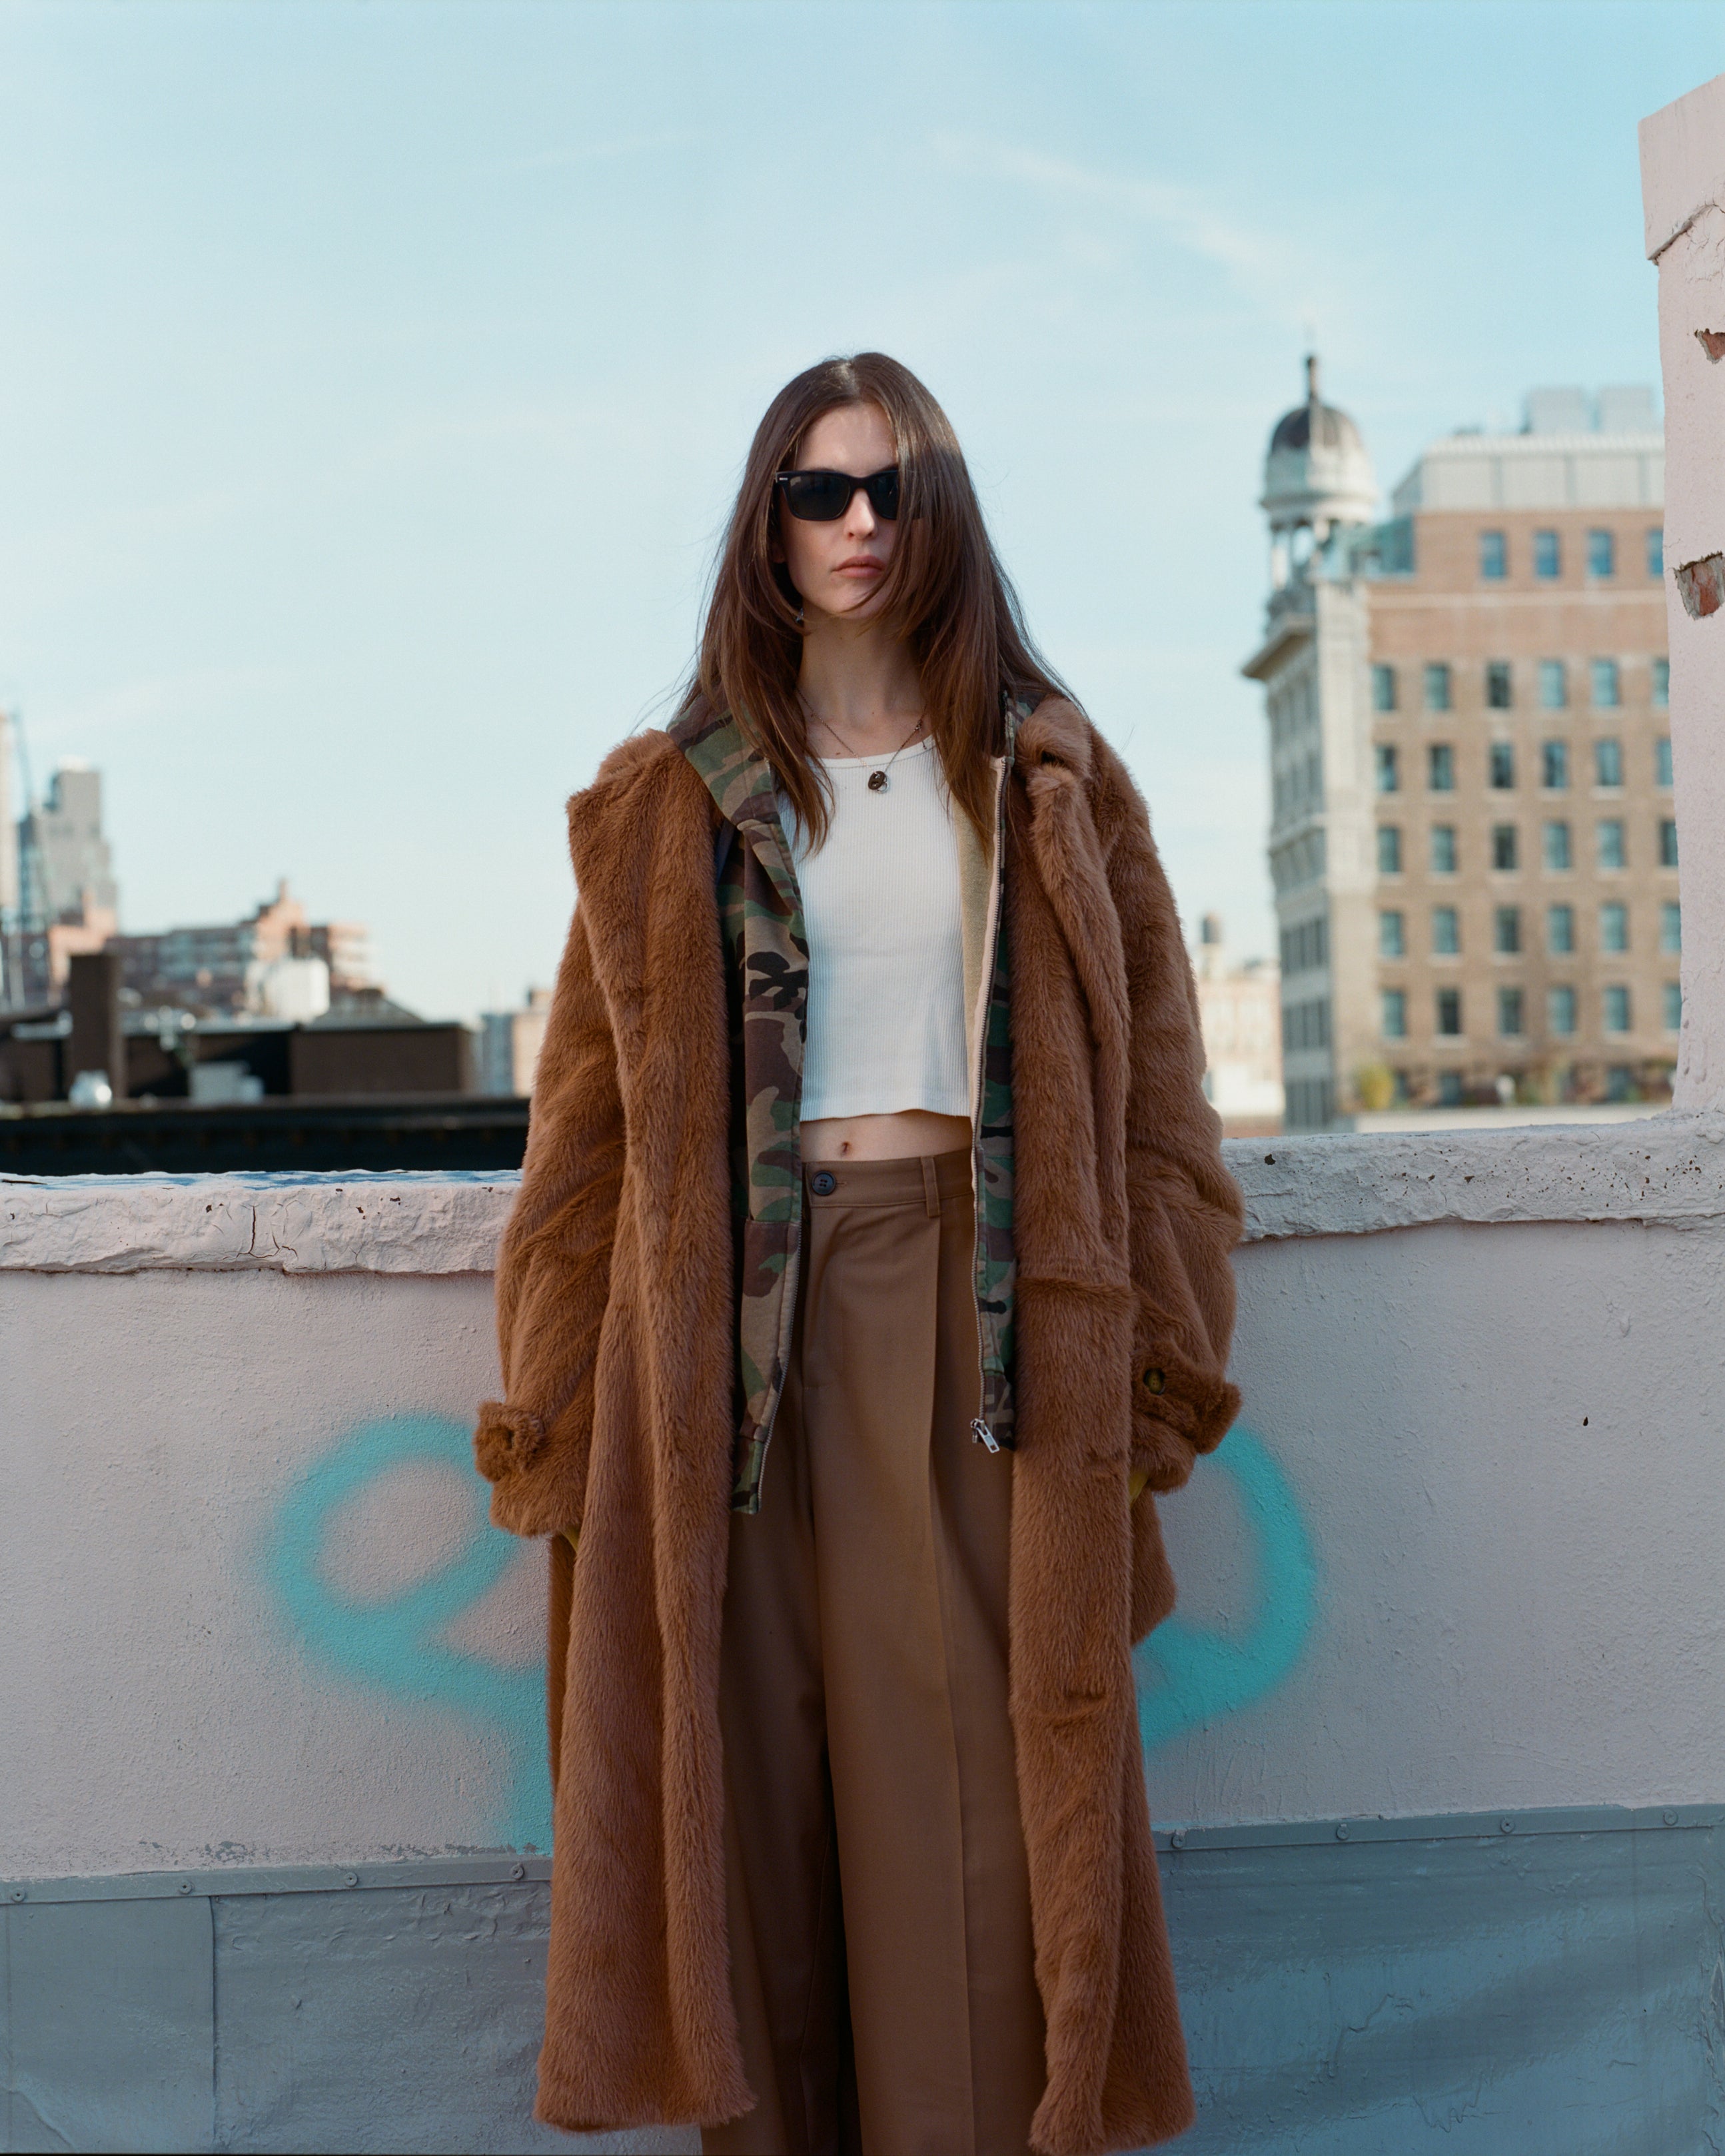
860,565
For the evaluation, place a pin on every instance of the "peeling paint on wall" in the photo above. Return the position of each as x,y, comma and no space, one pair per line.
1700,585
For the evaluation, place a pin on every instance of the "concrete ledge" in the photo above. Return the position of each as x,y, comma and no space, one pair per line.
318,1224
1667,1170
1658,1170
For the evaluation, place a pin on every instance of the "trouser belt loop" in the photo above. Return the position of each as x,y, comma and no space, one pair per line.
930,1189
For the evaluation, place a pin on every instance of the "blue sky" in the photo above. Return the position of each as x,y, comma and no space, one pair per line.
376,375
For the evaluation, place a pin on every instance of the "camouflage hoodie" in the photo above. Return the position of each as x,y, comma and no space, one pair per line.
767,975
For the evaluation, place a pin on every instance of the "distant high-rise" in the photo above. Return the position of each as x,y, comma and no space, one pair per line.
8,828
1472,842
66,854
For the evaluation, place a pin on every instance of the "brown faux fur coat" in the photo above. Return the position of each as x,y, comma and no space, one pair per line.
615,1313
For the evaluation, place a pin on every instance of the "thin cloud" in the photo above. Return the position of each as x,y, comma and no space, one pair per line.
1258,262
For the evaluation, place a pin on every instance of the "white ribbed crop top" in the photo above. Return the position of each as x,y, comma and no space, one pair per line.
881,910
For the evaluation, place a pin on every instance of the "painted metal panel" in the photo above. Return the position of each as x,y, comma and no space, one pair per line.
1551,1995
405,2018
110,2025
1549,1984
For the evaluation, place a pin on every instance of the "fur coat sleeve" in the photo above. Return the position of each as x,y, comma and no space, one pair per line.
554,1265
1185,1208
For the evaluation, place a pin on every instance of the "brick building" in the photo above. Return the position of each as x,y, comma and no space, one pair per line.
1472,844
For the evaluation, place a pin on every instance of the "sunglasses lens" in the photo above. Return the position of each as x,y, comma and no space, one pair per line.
819,497
883,494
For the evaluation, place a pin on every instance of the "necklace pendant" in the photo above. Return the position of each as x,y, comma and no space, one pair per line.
877,781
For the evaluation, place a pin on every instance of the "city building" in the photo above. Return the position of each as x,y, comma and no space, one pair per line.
238,966
510,1042
1239,1011
1472,844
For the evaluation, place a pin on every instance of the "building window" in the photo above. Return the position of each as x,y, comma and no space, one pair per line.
1660,670
1443,850
1614,926
1672,996
1509,1012
1655,550
1503,846
1507,930
1306,945
1497,684
1670,925
1502,765
1606,684
1554,685
1608,761
1560,930
1446,932
1556,846
1667,843
1554,765
1610,830
1547,555
1617,1010
1601,554
1384,688
1494,556
1390,778
1449,1089
1440,767
1437,686
1560,1009
1449,1012
1662,761
1392,935
1395,1014
1305,1024
1390,849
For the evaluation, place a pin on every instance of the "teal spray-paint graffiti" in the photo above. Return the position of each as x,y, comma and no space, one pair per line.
1186,1675
397,1645
1189,1676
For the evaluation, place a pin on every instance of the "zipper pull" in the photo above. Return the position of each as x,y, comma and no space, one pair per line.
982,1434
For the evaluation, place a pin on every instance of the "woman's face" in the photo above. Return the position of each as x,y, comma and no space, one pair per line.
839,567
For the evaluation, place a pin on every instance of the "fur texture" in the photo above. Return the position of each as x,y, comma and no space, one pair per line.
614,1309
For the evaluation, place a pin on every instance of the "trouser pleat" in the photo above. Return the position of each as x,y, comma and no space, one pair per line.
876,1888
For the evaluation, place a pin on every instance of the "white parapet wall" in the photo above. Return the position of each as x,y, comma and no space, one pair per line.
1460,1555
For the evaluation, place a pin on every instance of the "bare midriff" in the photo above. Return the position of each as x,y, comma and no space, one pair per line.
906,1135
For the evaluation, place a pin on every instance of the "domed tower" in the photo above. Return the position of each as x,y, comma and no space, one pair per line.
1316,476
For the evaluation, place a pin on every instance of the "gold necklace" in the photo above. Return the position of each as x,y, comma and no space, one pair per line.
877,779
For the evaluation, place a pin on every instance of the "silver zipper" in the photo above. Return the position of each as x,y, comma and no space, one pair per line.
981,1433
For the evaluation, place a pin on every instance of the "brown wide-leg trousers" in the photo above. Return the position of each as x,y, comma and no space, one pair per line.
876,1883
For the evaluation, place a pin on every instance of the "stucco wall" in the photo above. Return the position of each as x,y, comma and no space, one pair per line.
262,1620
1683,197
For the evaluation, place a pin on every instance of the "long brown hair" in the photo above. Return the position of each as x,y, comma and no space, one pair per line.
945,595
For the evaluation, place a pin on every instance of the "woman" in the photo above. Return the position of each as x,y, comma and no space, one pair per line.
870,1261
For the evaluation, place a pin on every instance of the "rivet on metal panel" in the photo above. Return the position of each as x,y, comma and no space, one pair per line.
1506,1826
1670,1818
517,1871
1343,1829
18,1894
1177,1839
350,1879
184,1886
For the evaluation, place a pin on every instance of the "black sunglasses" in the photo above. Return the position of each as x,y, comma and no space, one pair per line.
822,497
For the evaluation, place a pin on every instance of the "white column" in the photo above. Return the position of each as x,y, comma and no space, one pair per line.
1683,197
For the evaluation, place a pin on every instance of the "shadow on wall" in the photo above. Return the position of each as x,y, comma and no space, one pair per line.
401,1643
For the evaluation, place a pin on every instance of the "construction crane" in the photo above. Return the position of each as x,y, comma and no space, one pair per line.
23,956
